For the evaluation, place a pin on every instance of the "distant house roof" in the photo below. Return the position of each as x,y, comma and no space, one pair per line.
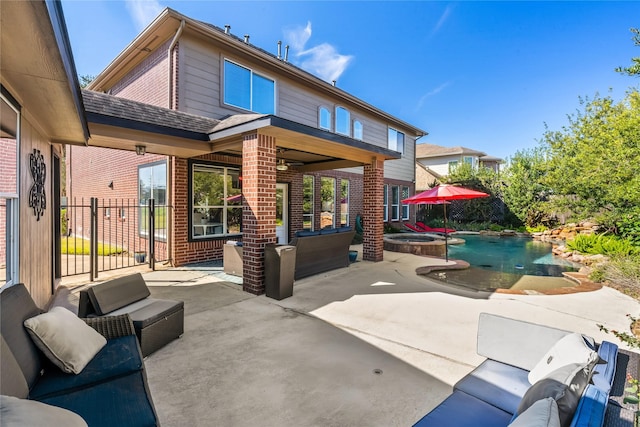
431,150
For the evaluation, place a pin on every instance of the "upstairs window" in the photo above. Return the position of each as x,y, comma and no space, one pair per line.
343,121
396,141
357,130
324,118
248,90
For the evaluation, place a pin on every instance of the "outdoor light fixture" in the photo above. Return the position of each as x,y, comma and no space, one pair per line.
282,166
140,150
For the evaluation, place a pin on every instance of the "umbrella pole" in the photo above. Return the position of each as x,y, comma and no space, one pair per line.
446,243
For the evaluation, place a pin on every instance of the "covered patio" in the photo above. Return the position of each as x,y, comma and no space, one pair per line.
256,143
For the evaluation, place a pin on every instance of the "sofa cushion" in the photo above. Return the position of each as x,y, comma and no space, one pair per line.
307,233
605,370
16,412
117,293
123,401
121,356
543,413
16,306
149,311
570,349
591,408
463,410
496,383
12,381
343,229
328,231
65,339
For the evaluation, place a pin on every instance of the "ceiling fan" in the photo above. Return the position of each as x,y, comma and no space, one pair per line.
283,164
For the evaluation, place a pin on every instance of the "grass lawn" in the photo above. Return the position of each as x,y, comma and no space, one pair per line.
80,246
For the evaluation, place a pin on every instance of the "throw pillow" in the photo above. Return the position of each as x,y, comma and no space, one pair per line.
65,339
571,348
567,402
16,412
543,413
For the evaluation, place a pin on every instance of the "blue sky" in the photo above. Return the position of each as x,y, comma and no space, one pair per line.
484,75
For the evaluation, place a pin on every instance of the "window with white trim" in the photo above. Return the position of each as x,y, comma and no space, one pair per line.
358,132
344,202
9,190
385,203
405,208
343,121
216,201
324,118
328,202
152,183
395,203
308,200
453,164
396,141
243,88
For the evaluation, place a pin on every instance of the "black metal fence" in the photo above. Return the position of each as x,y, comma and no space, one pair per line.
107,234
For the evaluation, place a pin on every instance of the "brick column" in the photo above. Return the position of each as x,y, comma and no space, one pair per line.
259,210
372,247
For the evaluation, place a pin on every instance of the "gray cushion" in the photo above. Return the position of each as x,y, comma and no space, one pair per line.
12,381
16,305
117,293
65,339
16,412
570,349
496,383
543,413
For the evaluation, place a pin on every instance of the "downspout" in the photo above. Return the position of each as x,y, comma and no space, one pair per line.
171,162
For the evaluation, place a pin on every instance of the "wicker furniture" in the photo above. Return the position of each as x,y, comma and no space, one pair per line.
111,390
320,251
156,321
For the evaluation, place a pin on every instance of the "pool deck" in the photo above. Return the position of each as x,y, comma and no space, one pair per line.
372,344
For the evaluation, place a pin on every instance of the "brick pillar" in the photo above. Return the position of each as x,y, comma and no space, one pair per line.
259,210
372,247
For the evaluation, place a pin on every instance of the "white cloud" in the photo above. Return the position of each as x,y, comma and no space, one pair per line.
323,60
432,92
143,11
443,19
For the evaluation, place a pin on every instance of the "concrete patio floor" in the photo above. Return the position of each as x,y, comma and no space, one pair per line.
369,345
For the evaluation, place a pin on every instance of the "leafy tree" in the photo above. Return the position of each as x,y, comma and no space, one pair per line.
594,160
85,80
523,190
634,68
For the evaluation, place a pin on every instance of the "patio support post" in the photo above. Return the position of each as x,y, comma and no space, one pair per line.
372,245
259,209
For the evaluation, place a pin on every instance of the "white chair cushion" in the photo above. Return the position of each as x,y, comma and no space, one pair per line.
570,349
16,412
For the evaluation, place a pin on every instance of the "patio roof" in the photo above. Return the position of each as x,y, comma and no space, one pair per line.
121,123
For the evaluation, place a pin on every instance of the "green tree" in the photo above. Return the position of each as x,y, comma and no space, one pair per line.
594,160
524,191
85,80
634,68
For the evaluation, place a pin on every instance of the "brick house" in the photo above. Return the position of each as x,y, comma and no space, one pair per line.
41,110
239,144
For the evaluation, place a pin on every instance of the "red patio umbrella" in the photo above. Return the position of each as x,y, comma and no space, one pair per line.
441,194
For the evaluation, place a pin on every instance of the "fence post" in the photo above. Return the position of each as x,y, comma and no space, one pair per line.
93,240
152,233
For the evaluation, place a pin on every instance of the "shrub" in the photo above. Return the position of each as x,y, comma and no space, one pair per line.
601,244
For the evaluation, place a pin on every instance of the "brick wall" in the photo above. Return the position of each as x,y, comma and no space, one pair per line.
372,208
8,184
149,81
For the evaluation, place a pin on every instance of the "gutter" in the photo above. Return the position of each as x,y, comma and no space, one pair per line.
170,104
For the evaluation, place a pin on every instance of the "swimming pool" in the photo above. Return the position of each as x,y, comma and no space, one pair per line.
501,262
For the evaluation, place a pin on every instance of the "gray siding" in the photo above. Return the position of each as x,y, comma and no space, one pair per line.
200,92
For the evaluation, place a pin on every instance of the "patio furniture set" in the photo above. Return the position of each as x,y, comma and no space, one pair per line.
534,375
73,371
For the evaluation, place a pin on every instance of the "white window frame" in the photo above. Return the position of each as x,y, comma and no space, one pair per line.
358,135
405,208
452,164
310,215
392,140
348,124
330,121
395,203
344,216
12,230
251,99
385,203
142,231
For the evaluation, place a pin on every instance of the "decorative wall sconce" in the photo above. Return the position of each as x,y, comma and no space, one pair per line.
110,185
140,150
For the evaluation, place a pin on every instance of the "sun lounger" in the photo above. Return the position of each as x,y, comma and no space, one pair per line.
426,228
413,228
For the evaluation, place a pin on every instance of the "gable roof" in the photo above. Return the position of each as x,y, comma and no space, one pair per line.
170,24
425,150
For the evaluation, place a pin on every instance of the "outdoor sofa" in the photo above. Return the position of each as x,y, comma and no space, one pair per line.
533,376
61,372
156,321
322,250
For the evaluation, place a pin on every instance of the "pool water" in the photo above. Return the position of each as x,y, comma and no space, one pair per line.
500,262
